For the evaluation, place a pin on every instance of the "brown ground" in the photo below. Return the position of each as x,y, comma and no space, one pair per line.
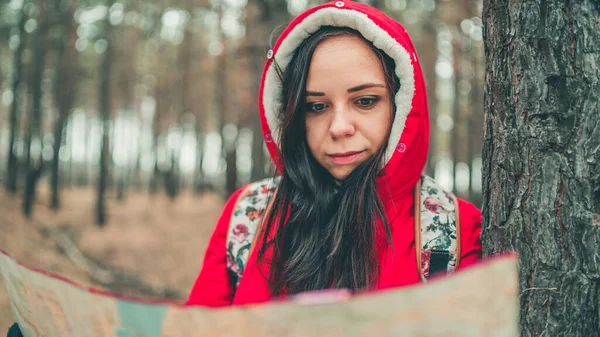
155,241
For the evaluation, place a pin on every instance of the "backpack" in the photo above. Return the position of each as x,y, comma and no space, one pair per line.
436,227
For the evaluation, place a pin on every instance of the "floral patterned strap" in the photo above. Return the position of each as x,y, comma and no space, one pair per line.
437,229
244,223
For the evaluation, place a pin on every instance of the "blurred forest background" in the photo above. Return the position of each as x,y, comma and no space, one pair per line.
124,125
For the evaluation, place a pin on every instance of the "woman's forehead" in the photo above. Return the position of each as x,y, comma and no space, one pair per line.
344,47
344,60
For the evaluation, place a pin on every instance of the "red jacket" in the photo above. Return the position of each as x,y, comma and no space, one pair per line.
407,153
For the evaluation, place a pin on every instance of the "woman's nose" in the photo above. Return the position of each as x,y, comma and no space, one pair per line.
341,125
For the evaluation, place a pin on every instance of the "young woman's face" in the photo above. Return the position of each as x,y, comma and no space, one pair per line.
349,109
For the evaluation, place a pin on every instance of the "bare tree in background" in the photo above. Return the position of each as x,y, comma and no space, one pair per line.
475,124
377,3
182,103
541,176
12,162
231,108
33,134
124,53
220,98
266,23
64,91
104,107
428,41
158,96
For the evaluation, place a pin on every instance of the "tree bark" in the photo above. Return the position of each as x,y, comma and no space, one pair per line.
221,103
456,136
271,14
12,162
541,175
65,88
125,73
159,97
377,4
231,172
34,166
183,105
199,183
104,105
256,56
476,123
258,152
429,59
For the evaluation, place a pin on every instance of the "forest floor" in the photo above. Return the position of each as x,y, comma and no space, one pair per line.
152,246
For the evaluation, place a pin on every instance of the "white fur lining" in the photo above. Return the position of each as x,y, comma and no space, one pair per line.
370,31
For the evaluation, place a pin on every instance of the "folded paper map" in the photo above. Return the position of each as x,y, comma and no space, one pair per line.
479,301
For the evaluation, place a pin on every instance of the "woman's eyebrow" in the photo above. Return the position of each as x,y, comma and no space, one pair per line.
354,89
365,86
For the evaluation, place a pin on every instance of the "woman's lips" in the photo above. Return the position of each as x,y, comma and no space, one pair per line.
346,157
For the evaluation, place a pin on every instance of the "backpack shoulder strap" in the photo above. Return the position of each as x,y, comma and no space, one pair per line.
244,223
437,229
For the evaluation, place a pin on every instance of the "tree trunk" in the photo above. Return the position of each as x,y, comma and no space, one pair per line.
159,97
231,107
541,175
121,174
104,105
258,152
125,73
2,112
65,87
34,166
456,110
221,103
429,55
171,178
231,172
199,183
257,50
377,4
12,162
272,13
154,177
183,105
476,124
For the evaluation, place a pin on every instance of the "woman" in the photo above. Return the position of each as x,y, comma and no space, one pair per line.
344,113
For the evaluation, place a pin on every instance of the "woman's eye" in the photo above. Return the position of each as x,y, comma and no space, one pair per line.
367,102
316,107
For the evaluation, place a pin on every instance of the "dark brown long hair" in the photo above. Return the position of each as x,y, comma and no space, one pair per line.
325,231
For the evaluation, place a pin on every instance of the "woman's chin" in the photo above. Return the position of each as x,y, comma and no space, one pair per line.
341,173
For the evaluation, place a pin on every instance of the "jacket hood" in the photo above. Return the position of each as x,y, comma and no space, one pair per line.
409,137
